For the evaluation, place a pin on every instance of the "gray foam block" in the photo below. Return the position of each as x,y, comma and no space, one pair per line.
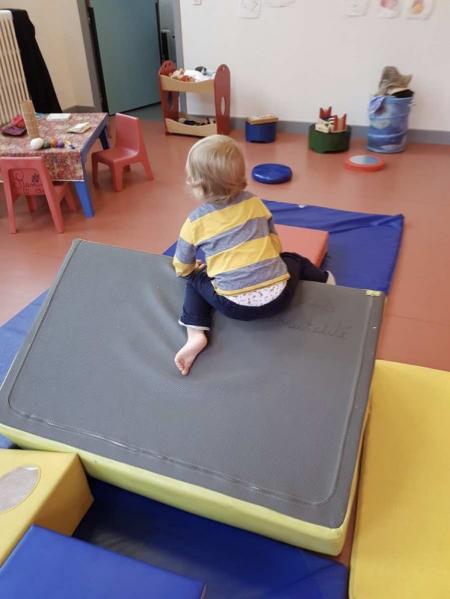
272,412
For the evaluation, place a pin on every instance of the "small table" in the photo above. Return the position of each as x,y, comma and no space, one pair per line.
68,163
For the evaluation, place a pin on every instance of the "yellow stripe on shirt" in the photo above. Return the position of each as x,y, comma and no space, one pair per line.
276,242
219,221
182,269
244,254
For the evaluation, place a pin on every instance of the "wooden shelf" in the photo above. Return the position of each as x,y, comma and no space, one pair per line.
195,130
218,88
169,84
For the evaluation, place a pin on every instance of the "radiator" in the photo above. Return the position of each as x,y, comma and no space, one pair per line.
13,87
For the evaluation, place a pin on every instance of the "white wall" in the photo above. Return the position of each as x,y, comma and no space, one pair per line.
58,33
69,20
292,60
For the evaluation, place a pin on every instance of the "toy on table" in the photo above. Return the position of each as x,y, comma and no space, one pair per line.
29,116
261,129
330,133
16,127
79,128
364,162
58,116
44,144
36,143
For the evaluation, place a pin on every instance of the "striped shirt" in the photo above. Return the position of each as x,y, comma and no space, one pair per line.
241,246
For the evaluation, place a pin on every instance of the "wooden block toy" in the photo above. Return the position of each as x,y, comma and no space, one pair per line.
29,116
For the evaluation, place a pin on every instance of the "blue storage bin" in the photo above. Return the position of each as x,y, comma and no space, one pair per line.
260,133
388,124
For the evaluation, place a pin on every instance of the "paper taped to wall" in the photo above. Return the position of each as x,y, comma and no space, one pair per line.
356,8
419,9
389,8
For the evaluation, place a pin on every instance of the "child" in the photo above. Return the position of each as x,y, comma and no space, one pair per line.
245,276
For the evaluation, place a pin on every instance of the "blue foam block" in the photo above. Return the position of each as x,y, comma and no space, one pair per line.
271,173
47,565
232,562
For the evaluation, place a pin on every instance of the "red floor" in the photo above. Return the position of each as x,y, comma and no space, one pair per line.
147,216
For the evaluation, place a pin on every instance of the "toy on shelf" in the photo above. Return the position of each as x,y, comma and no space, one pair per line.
173,81
196,75
330,133
261,129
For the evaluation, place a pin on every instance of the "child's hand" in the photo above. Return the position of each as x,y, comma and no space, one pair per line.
199,265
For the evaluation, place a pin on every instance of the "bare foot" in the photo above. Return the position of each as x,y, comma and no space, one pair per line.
196,343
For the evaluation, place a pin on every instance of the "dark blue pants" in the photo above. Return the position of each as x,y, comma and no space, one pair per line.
200,297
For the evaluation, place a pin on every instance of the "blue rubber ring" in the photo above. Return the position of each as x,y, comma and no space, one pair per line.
272,173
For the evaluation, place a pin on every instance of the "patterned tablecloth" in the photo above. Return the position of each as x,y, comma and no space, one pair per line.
63,164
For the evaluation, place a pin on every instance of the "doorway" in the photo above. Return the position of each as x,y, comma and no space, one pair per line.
128,43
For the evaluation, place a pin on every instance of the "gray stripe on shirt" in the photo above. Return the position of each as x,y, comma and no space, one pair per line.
255,228
247,276
185,252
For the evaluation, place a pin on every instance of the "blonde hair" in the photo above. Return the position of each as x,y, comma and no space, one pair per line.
215,169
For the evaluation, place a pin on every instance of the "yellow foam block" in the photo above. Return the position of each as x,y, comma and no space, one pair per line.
48,489
402,538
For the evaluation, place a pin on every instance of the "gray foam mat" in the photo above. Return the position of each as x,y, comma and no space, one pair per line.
272,412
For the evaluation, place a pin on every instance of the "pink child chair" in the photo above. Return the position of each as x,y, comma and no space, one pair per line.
29,177
129,148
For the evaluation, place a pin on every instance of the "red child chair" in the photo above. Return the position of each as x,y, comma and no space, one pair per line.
29,177
129,148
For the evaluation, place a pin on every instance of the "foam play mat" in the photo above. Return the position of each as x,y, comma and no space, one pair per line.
47,565
402,537
96,373
49,489
237,564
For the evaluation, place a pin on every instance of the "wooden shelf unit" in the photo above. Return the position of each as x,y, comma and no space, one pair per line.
218,88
